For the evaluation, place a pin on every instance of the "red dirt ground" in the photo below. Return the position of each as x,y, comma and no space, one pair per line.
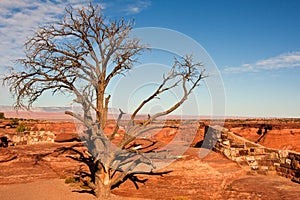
212,177
38,172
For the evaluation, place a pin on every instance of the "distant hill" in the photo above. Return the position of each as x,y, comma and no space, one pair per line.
48,109
35,109
58,114
41,113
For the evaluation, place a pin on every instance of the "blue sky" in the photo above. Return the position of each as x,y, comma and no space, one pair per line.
255,44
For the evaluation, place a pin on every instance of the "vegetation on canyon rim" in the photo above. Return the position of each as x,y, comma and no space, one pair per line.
81,55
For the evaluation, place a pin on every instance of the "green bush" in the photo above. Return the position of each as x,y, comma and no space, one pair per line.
42,129
22,128
181,198
2,115
15,121
71,179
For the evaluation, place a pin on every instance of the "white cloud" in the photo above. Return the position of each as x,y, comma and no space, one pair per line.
286,60
137,6
18,20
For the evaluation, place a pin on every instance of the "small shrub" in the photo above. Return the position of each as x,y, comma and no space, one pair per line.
72,179
181,198
42,129
22,128
2,115
15,121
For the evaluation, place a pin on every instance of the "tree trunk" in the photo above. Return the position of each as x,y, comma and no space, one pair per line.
105,111
102,105
103,192
103,189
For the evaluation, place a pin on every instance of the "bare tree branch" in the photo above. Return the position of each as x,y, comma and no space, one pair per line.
117,125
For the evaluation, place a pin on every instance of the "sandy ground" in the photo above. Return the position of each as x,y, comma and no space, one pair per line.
53,189
212,177
38,174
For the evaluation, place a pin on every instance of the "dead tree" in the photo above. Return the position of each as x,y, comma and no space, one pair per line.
80,56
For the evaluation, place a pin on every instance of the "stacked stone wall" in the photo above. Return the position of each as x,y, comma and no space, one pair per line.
32,137
252,156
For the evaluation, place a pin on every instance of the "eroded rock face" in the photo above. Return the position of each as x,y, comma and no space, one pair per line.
284,134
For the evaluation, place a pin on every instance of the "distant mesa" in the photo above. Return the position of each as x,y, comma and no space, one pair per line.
38,109
41,113
58,114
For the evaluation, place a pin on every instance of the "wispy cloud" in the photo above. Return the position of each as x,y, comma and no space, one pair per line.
137,6
18,20
126,7
286,60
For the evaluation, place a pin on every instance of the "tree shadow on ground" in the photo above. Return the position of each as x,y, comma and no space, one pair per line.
204,145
